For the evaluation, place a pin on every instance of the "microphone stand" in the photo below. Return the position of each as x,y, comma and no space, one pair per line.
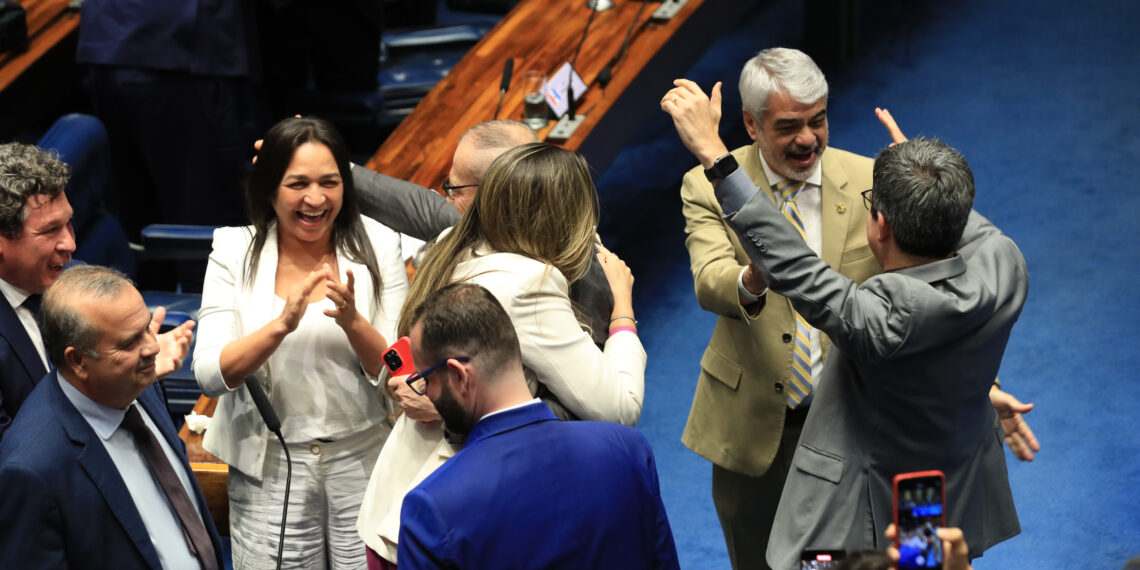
569,122
269,416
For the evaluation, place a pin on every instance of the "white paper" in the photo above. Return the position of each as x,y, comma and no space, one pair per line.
556,89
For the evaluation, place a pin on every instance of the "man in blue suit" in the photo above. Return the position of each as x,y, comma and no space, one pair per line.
527,490
36,242
92,471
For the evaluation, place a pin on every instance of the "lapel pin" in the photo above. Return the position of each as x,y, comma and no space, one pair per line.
841,208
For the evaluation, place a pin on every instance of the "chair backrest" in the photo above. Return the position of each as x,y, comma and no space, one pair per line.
81,141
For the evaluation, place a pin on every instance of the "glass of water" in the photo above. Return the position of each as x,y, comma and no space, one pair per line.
534,99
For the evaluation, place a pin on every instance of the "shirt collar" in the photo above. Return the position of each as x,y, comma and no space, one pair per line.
13,294
103,419
516,406
815,180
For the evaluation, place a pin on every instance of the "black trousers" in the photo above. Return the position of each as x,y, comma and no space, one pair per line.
179,145
746,506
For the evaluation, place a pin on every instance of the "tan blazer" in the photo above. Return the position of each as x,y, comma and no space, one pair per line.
737,417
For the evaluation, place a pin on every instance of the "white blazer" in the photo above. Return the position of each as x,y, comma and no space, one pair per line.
232,309
598,385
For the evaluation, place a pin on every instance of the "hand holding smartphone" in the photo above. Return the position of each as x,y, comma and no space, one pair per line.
398,357
920,510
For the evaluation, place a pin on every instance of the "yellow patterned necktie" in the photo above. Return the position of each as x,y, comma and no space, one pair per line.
799,386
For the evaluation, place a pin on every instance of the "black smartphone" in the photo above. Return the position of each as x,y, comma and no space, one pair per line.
920,510
814,559
398,357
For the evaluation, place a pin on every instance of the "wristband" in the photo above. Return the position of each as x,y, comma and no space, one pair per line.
616,330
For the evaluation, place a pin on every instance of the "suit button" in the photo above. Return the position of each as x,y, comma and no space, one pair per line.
779,388
787,337
763,248
315,449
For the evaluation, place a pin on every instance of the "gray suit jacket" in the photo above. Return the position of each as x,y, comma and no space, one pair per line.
905,388
422,213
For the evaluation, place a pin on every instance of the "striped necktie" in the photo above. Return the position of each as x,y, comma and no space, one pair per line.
799,385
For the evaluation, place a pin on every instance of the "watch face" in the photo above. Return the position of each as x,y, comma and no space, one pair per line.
723,166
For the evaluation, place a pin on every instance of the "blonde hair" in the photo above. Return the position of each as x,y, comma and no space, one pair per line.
536,200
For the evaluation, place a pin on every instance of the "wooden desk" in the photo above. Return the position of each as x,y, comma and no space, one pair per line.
49,22
211,473
542,35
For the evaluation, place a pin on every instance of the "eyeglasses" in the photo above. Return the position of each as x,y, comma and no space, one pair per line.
418,381
867,199
448,188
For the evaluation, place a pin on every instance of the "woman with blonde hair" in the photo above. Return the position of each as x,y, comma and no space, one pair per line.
529,233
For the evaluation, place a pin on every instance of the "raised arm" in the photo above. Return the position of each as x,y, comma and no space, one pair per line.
224,356
603,385
407,208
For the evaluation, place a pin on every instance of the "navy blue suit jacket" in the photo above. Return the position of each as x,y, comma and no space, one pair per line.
63,502
202,37
530,491
20,365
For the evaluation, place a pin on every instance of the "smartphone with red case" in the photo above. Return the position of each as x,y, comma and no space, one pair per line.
920,510
398,357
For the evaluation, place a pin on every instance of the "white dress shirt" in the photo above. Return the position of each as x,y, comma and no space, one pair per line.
16,298
809,202
158,516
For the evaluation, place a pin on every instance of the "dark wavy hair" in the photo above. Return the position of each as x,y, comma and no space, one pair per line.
264,181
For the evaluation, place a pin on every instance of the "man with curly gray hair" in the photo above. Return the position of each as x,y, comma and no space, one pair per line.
36,242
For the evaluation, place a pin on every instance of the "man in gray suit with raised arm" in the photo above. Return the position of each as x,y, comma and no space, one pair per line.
914,349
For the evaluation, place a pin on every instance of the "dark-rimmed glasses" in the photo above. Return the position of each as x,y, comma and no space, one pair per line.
867,199
418,381
448,188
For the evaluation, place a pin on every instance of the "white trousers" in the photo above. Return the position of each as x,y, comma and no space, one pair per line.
324,501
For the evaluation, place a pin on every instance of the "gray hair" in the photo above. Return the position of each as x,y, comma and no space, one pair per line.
25,171
780,70
492,139
62,325
925,190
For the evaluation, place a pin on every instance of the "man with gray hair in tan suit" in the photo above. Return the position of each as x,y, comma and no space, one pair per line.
755,385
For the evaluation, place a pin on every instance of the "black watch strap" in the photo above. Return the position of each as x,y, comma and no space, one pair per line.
720,169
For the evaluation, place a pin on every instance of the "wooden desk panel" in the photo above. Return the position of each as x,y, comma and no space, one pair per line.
212,474
542,35
49,22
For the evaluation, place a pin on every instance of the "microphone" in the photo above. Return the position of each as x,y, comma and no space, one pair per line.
606,73
269,416
508,69
505,84
570,84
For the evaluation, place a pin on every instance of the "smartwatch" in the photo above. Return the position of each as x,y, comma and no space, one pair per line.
720,169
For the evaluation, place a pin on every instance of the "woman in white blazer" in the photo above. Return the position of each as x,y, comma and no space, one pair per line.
305,300
527,235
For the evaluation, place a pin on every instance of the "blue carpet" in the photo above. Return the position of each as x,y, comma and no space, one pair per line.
1043,99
